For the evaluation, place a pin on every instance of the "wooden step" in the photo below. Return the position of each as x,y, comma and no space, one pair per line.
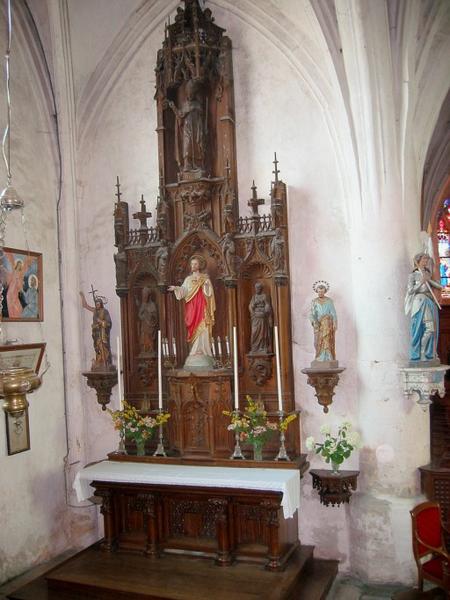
93,574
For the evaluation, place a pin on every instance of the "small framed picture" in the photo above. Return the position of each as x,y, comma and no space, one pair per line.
28,356
17,433
21,276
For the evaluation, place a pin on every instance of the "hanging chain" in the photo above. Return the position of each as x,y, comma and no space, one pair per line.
6,141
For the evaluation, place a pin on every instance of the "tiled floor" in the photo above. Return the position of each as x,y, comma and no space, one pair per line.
346,588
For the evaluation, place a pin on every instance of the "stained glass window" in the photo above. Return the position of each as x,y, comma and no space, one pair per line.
443,239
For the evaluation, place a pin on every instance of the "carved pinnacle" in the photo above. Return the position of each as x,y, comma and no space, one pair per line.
118,193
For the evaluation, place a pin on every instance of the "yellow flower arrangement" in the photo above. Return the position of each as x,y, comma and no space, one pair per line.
135,426
254,425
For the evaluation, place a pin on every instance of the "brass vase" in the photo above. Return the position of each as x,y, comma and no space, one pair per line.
15,384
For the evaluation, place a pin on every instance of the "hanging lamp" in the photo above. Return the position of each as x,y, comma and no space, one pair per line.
9,198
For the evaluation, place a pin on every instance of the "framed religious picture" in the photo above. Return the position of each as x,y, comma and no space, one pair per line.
17,432
21,276
28,356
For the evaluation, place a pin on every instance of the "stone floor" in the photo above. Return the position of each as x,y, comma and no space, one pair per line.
347,588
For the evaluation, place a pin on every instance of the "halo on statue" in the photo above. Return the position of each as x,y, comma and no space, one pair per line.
201,261
321,284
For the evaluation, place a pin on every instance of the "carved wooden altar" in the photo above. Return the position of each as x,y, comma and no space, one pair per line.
197,212
245,525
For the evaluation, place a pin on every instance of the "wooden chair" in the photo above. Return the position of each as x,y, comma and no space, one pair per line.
430,553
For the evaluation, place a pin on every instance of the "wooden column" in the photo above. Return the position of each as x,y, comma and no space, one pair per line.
149,510
220,507
271,518
107,511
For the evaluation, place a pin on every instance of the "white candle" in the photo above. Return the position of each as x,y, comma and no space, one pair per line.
213,349
119,372
235,367
277,358
165,347
174,346
219,345
227,344
159,371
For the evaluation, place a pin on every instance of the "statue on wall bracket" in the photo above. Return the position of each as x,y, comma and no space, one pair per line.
423,376
422,306
323,375
198,293
323,318
103,374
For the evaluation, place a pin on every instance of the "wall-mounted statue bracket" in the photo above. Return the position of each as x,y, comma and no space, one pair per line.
323,381
102,383
425,382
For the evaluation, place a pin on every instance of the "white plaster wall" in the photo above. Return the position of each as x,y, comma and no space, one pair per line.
35,521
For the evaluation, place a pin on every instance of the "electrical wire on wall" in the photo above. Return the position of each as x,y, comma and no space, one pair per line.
38,40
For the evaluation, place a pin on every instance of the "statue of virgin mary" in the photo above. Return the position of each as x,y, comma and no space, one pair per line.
198,293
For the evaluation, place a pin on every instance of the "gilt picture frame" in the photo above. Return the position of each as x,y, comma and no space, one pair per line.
21,276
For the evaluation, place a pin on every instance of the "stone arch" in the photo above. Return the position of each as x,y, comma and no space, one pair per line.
275,27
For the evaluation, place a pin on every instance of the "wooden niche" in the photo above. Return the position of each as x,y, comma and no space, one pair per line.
197,213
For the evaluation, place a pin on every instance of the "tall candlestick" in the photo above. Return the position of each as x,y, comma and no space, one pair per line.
227,344
119,372
213,348
174,346
277,358
235,367
159,371
219,346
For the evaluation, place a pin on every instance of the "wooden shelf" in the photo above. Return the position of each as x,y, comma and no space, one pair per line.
334,488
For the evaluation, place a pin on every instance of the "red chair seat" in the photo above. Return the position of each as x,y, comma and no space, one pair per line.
429,545
433,567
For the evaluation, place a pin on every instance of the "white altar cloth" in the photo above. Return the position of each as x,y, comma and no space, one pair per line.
277,480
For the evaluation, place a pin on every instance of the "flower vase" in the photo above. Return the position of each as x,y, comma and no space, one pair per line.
257,450
335,467
140,447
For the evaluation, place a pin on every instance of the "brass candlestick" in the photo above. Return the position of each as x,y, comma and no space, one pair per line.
160,447
237,452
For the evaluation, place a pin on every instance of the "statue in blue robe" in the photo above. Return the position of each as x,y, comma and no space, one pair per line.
422,306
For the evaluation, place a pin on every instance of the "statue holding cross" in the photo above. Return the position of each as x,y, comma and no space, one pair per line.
101,329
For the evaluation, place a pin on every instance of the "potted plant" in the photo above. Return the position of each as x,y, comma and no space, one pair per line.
335,449
136,427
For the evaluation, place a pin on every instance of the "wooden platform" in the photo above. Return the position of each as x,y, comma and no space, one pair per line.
96,575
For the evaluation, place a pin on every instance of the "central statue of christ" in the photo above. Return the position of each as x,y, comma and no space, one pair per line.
198,293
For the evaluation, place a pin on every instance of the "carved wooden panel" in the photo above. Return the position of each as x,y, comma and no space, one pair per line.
226,523
198,426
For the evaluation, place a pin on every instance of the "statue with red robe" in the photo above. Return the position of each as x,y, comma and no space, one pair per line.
198,293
